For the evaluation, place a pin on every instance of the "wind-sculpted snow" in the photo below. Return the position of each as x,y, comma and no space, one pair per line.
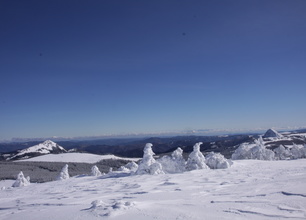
249,189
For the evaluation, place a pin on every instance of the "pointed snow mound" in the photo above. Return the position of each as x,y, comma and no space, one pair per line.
21,180
47,147
271,133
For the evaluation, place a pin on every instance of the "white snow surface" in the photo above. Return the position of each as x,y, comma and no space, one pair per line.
75,158
249,189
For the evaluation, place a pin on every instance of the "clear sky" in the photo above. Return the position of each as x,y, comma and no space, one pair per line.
83,68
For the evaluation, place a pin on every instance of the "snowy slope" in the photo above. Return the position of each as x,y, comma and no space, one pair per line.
250,189
46,147
75,158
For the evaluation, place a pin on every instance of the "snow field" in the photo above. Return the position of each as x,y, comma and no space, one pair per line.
249,189
75,158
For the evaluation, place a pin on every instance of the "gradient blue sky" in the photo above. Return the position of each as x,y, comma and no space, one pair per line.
82,68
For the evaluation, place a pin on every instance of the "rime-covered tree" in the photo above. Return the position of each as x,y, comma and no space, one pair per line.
131,166
21,180
148,164
298,151
256,151
174,163
282,153
64,173
196,159
95,171
217,161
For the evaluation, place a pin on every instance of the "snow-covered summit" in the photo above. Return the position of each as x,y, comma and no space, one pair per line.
47,147
271,133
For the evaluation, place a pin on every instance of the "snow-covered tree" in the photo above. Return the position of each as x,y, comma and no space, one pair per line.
64,173
217,161
174,163
131,166
196,159
260,152
148,164
281,153
297,151
256,151
21,180
95,171
242,152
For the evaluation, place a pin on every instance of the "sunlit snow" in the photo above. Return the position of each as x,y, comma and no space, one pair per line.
249,189
75,158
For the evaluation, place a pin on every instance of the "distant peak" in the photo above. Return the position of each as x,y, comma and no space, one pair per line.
272,133
48,142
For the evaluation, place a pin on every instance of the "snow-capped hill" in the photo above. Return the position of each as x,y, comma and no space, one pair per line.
47,147
271,133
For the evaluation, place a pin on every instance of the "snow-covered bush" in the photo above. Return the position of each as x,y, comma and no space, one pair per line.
131,166
156,168
242,152
196,159
95,171
298,151
217,161
148,164
256,151
282,153
21,180
174,163
64,173
260,152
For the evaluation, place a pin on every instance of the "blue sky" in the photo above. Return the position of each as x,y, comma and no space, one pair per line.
84,68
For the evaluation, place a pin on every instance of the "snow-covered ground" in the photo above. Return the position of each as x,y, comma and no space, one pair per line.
249,189
75,158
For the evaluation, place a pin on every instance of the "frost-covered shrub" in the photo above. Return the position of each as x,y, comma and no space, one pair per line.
217,161
174,163
148,164
282,153
21,180
196,159
256,151
95,171
298,151
64,173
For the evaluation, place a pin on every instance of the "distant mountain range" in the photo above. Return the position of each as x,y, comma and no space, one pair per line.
133,147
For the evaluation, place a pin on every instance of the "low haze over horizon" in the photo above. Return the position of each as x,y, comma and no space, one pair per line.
91,68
